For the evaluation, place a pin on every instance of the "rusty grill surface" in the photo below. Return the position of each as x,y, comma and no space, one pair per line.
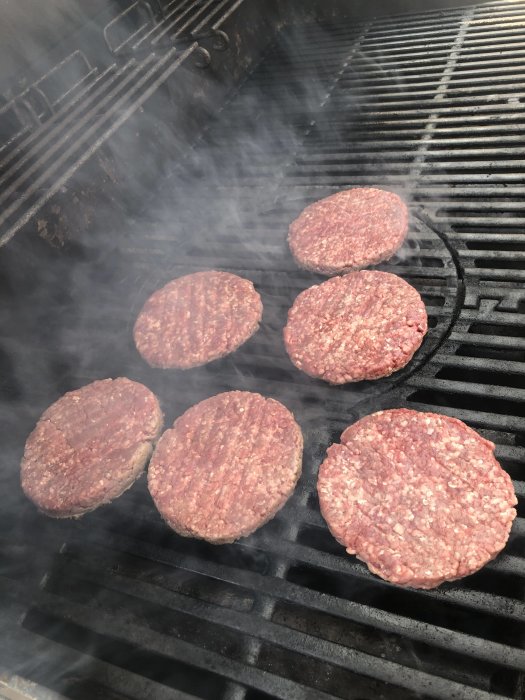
115,605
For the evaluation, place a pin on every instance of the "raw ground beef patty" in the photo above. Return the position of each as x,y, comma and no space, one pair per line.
419,497
90,446
349,230
226,467
196,319
363,325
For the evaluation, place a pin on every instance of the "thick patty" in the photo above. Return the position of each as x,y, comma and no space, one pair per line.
419,497
196,319
363,325
90,446
226,467
349,230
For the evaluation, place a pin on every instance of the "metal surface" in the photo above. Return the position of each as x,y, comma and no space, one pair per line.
430,105
144,19
180,20
58,123
53,168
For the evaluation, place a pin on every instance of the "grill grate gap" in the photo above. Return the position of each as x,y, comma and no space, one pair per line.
442,399
503,330
482,377
325,678
491,353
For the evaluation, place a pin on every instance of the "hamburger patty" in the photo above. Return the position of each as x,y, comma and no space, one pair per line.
196,319
418,496
226,467
90,446
349,230
363,325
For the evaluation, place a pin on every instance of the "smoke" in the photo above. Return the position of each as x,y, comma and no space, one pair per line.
181,186
28,30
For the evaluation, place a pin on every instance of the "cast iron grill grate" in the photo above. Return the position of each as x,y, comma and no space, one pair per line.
430,105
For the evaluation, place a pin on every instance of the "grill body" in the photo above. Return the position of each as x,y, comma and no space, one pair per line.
428,104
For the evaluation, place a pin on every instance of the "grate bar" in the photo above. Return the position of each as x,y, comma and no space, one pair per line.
339,163
394,94
401,179
410,85
515,255
396,136
480,419
496,317
447,105
400,120
437,60
507,205
495,274
470,388
488,340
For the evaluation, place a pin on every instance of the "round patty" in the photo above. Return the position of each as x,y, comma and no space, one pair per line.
196,319
226,467
418,496
90,446
364,325
349,230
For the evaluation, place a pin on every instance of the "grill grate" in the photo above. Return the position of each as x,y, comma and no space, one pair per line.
174,20
431,105
65,143
54,127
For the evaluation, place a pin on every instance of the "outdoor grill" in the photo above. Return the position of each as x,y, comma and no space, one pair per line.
171,137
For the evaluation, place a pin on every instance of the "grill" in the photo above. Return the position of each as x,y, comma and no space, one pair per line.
115,605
